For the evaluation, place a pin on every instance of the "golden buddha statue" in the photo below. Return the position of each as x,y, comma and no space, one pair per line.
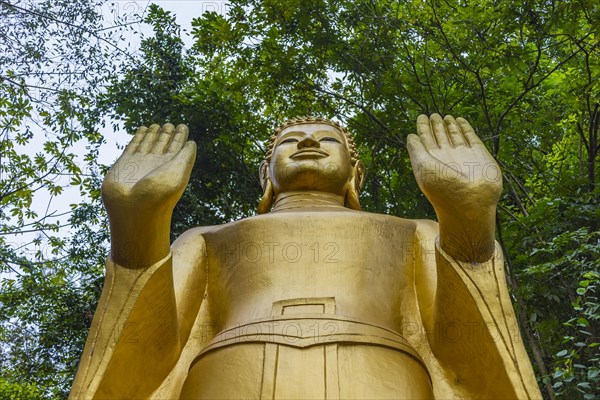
312,298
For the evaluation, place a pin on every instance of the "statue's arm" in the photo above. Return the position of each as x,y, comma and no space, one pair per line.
135,337
475,334
461,180
469,319
471,327
141,190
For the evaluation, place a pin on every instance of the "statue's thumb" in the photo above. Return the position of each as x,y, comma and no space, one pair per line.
419,157
184,159
416,149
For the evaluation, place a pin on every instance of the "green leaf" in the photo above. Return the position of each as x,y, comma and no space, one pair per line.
583,322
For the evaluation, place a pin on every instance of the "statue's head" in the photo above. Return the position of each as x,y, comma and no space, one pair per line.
311,154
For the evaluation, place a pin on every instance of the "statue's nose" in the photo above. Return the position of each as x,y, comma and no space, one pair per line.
308,141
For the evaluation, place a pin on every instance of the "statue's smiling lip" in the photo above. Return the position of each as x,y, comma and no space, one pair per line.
309,153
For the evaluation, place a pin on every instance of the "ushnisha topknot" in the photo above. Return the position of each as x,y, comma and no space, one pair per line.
313,120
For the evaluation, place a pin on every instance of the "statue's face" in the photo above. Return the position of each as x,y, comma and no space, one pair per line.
311,157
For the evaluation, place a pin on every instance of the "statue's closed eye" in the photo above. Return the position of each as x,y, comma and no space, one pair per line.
290,140
329,139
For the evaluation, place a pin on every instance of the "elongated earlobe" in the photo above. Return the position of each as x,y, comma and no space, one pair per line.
354,187
266,201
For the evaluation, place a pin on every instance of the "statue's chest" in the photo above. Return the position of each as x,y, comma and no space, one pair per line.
363,262
308,246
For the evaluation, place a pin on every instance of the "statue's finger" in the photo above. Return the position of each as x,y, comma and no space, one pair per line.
179,138
164,138
424,132
454,132
149,139
438,127
468,132
135,142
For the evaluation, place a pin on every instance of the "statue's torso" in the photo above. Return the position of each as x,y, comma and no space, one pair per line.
362,260
297,294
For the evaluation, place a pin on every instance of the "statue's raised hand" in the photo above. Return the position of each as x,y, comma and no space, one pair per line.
461,180
141,189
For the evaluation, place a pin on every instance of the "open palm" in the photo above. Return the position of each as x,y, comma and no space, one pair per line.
452,166
152,171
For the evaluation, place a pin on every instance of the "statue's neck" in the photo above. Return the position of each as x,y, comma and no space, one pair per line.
307,199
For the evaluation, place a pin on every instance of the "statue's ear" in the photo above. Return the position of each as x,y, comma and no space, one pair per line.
359,175
263,173
354,186
266,202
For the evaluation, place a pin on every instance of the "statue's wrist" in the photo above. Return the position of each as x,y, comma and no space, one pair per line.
138,255
137,245
468,237
466,217
468,251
